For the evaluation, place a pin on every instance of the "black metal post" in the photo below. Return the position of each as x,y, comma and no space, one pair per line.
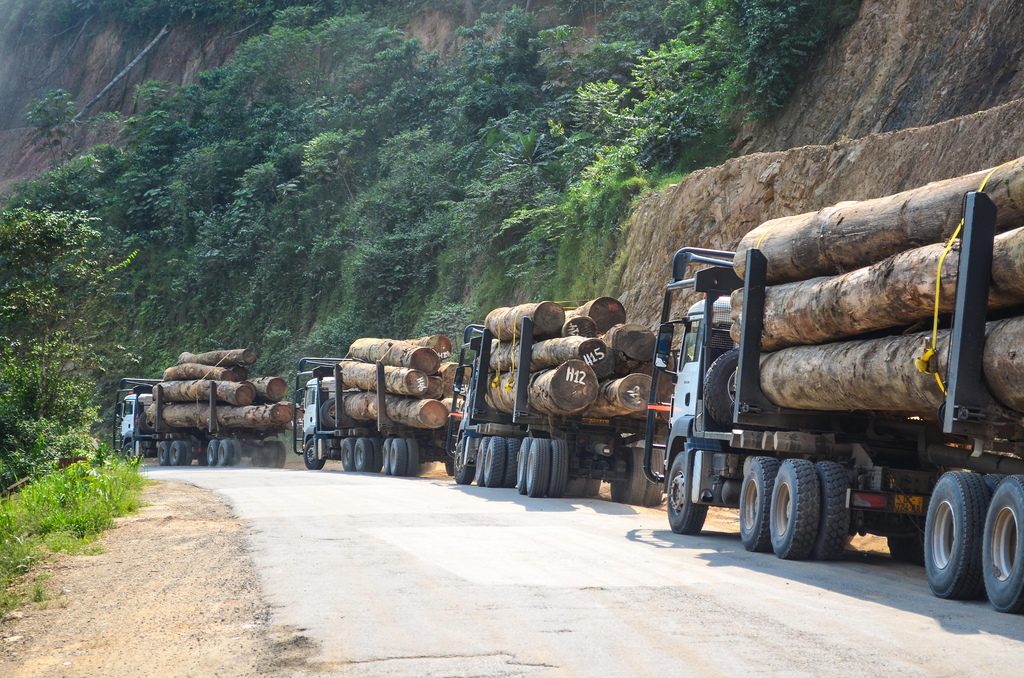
521,408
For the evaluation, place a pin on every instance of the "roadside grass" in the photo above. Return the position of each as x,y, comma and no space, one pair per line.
61,512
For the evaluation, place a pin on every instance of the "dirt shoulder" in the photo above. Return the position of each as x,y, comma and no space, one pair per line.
173,593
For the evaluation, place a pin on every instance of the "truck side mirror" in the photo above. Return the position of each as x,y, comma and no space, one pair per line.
663,349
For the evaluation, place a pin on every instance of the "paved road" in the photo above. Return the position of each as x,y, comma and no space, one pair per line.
419,577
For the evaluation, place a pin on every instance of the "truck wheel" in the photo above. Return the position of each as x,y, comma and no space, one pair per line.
481,460
449,468
834,523
309,456
636,489
559,468
348,454
328,418
378,455
720,387
1003,547
512,446
181,453
464,471
796,509
522,464
755,503
399,457
387,456
494,464
161,453
232,447
684,517
538,469
363,454
993,480
412,458
953,533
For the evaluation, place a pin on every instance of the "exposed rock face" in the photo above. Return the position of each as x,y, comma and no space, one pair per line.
903,63
716,206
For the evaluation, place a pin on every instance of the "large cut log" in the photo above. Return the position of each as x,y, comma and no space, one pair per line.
855,234
397,380
879,374
229,358
414,413
565,390
441,344
270,389
622,397
198,391
896,292
604,311
396,354
187,371
549,353
548,318
435,388
633,341
579,326
274,417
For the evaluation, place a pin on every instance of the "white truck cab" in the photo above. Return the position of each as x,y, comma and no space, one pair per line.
126,415
689,373
311,403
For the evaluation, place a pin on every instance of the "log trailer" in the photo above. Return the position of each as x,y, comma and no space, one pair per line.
540,455
326,432
805,482
213,446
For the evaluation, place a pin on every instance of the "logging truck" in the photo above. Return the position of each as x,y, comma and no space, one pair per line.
213,444
934,483
527,442
363,433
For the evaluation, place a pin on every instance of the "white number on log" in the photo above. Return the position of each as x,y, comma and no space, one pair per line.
574,376
573,330
443,354
633,394
595,356
421,382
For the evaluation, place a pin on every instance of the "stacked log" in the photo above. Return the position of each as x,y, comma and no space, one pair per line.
571,372
241,405
414,382
852,289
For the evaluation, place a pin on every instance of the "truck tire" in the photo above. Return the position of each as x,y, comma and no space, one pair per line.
378,454
399,457
464,471
834,523
181,453
755,503
512,446
363,454
684,517
559,468
162,453
993,480
327,414
348,454
954,529
233,446
720,388
522,463
386,454
796,509
636,489
538,469
449,468
412,458
494,464
1003,547
481,460
309,456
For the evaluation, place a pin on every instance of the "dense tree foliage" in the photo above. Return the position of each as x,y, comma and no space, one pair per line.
336,179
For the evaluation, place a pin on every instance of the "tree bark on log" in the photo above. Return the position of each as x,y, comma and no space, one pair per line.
228,358
579,326
270,389
606,312
851,235
622,397
441,344
411,412
635,342
240,393
879,374
187,371
548,318
273,417
396,354
896,292
397,380
564,390
549,353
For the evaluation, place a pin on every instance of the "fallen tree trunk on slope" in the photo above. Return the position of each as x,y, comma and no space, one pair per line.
896,292
622,397
548,318
564,390
239,393
855,234
879,374
396,354
397,380
548,353
229,358
273,417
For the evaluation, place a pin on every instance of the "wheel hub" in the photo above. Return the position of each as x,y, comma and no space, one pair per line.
783,509
677,491
943,535
1004,543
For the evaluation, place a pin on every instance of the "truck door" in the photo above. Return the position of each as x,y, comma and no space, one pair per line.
685,400
309,428
127,414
